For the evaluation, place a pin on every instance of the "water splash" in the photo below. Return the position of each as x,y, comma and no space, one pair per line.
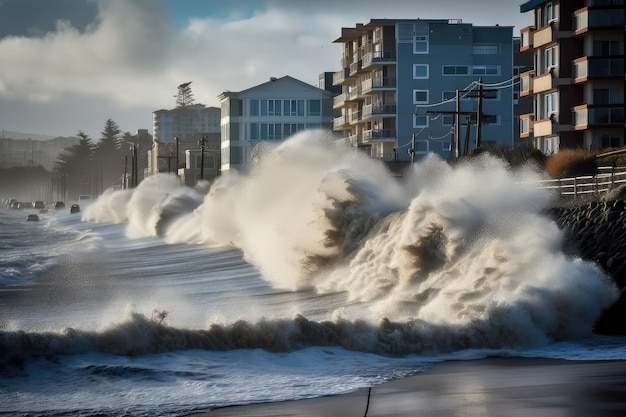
446,258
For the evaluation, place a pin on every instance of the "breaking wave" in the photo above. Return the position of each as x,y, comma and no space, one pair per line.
445,258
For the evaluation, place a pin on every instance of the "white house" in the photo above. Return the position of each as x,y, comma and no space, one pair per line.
271,111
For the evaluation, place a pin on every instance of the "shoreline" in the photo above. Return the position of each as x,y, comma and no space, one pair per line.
490,387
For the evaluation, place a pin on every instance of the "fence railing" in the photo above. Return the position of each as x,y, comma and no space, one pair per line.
606,179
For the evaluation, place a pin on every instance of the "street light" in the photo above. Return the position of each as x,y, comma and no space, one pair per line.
177,140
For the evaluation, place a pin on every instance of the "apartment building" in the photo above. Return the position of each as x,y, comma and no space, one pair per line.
577,83
188,123
400,78
271,111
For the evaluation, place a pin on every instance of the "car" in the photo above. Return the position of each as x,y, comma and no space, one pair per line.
38,204
83,197
32,218
59,205
75,208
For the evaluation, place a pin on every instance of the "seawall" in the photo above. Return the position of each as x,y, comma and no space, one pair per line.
596,232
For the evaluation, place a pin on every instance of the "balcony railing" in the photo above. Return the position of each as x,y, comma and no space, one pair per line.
380,135
601,115
377,83
340,77
355,67
525,125
526,38
586,19
597,67
526,80
379,110
378,57
544,35
340,123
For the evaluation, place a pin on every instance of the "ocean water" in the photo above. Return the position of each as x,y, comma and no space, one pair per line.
316,273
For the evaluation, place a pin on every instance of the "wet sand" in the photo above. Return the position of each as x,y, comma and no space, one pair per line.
493,387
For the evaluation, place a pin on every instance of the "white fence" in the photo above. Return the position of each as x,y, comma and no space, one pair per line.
606,179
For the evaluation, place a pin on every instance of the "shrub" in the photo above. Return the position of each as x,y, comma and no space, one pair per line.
571,163
618,193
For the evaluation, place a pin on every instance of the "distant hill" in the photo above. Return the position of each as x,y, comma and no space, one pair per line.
7,134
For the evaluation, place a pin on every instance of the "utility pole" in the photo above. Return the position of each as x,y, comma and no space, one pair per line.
412,150
176,139
478,114
479,109
201,143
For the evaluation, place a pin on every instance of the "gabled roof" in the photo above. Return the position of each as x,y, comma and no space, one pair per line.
273,80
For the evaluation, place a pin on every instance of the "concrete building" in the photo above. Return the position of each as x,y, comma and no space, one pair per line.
271,111
577,83
399,79
522,104
187,123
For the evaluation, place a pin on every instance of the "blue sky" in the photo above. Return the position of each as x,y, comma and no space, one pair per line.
73,64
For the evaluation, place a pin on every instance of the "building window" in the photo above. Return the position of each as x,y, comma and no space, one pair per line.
315,107
421,146
455,70
293,107
549,14
420,121
254,107
420,44
486,70
605,48
420,71
292,128
420,96
548,105
549,59
607,96
486,49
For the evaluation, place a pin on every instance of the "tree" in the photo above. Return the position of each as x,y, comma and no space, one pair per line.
77,159
108,155
184,97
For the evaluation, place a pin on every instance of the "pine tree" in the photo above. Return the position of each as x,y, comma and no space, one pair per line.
184,97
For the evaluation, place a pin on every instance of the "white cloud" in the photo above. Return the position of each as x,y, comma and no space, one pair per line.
133,56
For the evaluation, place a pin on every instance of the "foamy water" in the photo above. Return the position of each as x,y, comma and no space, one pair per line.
317,273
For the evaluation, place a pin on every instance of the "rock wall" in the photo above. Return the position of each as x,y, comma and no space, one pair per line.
597,232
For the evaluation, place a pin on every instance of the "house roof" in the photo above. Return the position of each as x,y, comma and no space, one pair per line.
275,80
532,4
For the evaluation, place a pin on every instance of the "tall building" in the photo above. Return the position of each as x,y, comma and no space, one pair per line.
577,83
188,123
400,78
271,111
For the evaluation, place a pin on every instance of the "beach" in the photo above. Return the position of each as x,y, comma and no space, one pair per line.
489,387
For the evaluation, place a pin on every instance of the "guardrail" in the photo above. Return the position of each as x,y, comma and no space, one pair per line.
605,180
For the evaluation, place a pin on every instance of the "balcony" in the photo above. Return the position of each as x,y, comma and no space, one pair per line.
355,140
595,19
597,68
339,101
544,127
586,116
340,77
379,135
354,117
378,84
526,38
526,80
543,83
525,125
341,123
377,58
379,110
544,35
354,68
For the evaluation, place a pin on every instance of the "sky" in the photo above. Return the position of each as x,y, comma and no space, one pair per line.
69,65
